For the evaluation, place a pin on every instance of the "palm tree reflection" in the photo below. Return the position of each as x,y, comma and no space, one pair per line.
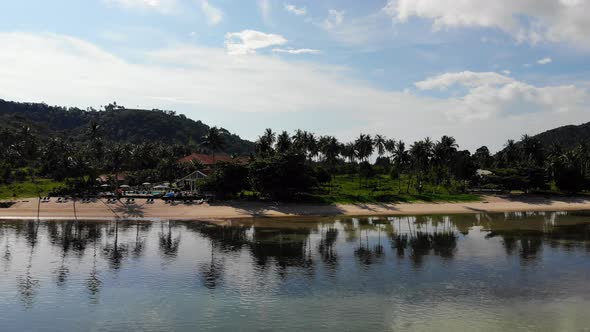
115,252
93,282
168,244
28,285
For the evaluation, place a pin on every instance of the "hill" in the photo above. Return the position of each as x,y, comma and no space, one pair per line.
567,137
119,124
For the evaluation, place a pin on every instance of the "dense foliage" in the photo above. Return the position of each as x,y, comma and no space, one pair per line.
75,147
118,125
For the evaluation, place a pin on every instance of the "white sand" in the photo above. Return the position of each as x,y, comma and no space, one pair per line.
27,208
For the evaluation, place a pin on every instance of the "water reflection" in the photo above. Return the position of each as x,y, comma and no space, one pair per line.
258,257
168,243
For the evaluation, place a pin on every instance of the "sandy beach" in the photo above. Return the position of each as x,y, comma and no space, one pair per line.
27,208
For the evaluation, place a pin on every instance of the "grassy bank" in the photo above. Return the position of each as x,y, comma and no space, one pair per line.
343,189
27,189
382,189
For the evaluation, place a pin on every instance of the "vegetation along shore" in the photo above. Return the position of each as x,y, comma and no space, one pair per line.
60,152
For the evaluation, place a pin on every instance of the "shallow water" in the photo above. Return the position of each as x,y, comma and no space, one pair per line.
500,272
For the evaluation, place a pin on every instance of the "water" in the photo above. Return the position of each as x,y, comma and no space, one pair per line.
502,272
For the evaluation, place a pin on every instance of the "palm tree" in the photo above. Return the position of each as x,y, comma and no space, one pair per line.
421,153
284,143
213,141
299,141
401,159
380,144
533,150
364,147
445,151
349,151
390,147
511,153
264,145
330,149
311,146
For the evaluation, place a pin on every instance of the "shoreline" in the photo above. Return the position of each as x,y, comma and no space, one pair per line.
99,210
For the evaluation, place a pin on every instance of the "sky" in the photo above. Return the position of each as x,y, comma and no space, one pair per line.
481,71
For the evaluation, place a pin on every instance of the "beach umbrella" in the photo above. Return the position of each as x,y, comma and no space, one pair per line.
146,184
105,185
124,186
160,187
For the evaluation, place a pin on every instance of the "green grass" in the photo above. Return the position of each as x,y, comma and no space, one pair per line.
28,189
382,189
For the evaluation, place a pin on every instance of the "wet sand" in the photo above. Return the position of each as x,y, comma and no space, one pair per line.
27,208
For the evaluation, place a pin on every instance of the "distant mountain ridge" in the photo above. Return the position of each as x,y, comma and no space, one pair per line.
567,137
118,124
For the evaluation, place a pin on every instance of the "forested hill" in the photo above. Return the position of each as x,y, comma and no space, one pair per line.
118,124
567,137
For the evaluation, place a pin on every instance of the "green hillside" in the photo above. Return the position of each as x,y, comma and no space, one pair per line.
567,137
119,124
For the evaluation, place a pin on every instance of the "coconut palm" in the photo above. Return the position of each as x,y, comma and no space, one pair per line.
265,143
349,151
284,143
330,149
401,158
299,141
380,144
444,151
511,153
532,150
364,146
213,141
311,146
421,154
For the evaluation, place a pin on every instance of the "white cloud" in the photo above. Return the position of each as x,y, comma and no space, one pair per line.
265,9
490,94
163,6
506,72
294,10
526,20
467,78
296,51
248,41
544,61
334,19
205,82
214,15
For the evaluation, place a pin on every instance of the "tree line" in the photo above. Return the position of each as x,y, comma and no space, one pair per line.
286,165
289,166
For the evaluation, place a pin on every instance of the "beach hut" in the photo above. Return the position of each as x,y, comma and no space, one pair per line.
190,181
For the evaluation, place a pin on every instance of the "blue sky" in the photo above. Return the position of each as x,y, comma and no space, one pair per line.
483,72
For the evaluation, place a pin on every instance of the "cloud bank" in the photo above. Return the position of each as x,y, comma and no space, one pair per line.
530,21
200,81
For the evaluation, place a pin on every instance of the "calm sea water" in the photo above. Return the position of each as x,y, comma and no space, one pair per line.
502,272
